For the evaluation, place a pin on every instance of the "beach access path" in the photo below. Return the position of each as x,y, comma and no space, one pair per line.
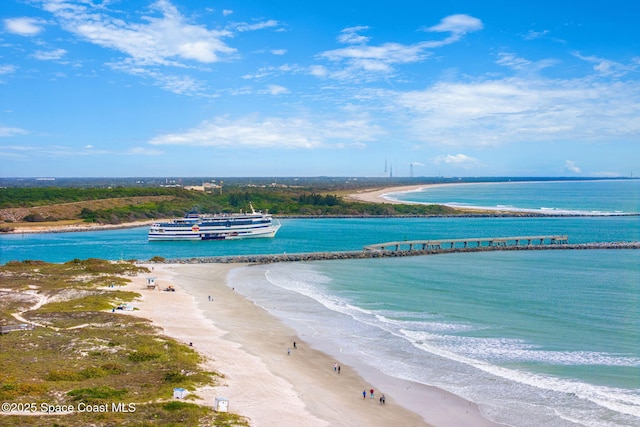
264,383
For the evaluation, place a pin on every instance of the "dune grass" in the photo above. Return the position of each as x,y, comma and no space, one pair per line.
88,356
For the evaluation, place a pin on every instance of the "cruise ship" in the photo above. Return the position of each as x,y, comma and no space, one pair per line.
216,227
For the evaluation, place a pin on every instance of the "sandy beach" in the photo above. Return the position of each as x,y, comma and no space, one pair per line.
264,383
376,196
72,228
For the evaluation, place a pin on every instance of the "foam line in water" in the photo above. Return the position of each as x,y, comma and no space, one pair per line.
620,400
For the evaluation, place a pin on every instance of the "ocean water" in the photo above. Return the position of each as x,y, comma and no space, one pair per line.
542,338
535,338
604,197
310,235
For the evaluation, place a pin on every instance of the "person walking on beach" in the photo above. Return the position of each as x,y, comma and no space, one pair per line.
294,345
288,351
382,399
371,391
335,367
364,394
338,368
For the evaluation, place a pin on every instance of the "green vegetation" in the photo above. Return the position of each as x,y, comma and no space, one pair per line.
84,354
114,206
13,197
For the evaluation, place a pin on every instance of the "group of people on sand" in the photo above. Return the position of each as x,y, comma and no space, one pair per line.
336,368
371,394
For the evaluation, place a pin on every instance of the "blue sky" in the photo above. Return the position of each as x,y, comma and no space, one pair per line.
333,88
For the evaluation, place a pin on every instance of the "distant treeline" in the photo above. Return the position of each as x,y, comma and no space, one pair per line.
14,197
170,202
319,183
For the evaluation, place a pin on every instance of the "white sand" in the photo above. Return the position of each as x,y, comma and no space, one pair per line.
376,196
249,348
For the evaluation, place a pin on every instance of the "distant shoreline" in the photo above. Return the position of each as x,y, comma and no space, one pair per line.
76,228
375,195
380,196
468,213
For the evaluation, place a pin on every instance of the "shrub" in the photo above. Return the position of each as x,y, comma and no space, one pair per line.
177,406
113,368
143,355
92,372
34,217
174,376
63,375
94,394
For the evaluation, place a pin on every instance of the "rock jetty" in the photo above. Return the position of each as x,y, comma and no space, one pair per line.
321,256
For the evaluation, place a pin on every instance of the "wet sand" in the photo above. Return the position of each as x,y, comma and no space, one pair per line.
264,383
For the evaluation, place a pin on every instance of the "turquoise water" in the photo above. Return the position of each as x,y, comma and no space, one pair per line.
535,338
573,197
310,235
542,338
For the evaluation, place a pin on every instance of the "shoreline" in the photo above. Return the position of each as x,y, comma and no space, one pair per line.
74,228
248,346
376,195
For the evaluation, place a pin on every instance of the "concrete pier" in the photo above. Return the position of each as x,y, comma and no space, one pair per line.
427,245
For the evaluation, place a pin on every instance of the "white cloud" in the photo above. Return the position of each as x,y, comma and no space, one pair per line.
49,55
181,85
243,26
571,166
607,67
7,69
145,151
274,132
276,90
270,71
227,12
165,40
456,159
457,24
523,65
6,131
374,60
513,110
533,35
378,60
318,71
279,51
351,36
23,26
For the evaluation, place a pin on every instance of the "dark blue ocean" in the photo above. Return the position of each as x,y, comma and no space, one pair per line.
534,338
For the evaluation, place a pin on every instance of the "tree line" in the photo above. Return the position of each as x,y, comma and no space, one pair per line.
277,201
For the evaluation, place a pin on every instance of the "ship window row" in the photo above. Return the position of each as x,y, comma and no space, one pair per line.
217,223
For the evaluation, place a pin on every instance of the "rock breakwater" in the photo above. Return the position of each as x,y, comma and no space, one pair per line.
323,256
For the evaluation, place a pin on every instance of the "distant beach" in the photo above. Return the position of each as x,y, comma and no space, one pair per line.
261,380
474,206
73,228
377,195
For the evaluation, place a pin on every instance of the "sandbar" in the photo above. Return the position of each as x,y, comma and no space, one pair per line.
265,378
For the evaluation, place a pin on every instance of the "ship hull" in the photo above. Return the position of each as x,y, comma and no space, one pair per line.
159,232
